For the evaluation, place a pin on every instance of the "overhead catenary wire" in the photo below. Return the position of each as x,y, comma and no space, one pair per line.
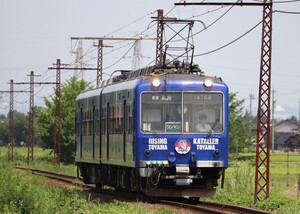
208,12
287,12
141,33
279,2
120,58
120,28
229,43
211,24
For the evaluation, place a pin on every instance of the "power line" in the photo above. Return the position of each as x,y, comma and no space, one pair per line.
120,58
208,12
279,2
233,41
211,24
129,24
287,12
10,144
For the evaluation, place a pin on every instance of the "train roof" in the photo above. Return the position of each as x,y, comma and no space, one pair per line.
176,68
128,78
90,93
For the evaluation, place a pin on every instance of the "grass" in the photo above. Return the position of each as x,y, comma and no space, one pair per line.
238,189
239,183
22,193
43,159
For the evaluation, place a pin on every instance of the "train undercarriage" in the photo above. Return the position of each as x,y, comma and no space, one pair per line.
179,181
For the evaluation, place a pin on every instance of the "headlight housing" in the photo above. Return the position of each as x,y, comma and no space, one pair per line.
155,82
208,82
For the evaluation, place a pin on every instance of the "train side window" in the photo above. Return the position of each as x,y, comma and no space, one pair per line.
94,121
84,133
103,119
90,122
98,122
120,120
77,120
129,119
111,120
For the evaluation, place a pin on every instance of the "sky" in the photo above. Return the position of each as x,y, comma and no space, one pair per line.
34,34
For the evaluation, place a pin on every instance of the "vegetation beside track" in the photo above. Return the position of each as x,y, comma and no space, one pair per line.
26,193
239,183
21,192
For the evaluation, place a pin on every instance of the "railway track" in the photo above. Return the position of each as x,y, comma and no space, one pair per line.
214,208
201,207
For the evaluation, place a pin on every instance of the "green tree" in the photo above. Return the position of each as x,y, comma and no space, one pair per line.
3,132
46,116
20,128
240,136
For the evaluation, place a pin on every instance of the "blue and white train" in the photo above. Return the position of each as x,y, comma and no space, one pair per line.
139,131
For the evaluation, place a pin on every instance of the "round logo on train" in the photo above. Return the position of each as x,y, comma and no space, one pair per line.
182,146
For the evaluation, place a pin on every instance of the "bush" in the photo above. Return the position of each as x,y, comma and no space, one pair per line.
279,204
22,193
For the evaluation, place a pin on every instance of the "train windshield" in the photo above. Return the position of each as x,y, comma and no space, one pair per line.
188,112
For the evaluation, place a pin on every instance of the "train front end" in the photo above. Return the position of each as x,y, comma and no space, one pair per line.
182,134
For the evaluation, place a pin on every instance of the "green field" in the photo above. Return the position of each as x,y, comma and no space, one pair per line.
238,188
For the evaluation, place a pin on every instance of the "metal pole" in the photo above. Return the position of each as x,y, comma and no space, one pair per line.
30,144
262,172
57,128
11,123
159,38
100,60
263,116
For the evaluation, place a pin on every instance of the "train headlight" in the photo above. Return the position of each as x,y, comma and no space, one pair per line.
155,82
208,82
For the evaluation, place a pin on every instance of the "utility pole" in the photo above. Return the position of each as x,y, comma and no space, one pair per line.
30,144
100,50
137,62
10,144
57,119
262,172
79,60
100,60
263,117
57,123
159,38
11,123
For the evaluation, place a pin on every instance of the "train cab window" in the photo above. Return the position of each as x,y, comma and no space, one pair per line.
182,112
203,112
159,112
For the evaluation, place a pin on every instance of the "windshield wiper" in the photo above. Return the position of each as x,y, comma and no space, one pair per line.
212,128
